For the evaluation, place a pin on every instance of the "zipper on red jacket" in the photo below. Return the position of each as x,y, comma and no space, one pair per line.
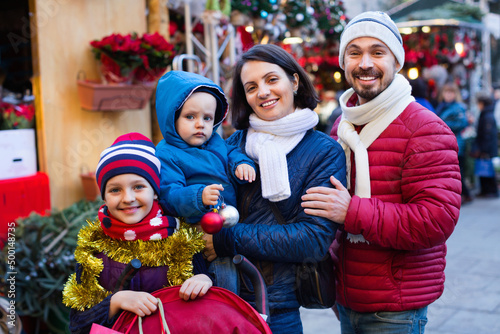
358,129
344,240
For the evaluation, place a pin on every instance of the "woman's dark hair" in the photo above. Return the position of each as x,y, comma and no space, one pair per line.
306,96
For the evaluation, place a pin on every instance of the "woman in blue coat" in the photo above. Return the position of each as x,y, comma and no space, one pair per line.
273,102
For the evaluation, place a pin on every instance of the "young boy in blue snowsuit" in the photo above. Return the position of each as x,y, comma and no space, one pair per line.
199,170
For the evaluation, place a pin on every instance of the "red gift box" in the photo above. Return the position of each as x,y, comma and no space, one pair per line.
21,196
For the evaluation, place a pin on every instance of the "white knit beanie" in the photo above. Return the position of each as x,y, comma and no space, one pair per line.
377,25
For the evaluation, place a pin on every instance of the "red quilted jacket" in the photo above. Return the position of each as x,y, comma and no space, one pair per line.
415,203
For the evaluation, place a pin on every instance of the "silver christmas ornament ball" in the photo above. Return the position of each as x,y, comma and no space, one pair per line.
230,216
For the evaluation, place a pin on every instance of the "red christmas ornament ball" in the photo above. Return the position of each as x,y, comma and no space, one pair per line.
211,222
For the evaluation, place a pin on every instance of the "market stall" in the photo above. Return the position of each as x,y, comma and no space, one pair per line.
444,41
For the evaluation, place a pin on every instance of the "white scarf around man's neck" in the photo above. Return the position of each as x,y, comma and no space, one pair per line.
377,114
268,142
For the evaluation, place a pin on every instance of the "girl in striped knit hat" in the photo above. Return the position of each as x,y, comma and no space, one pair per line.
131,225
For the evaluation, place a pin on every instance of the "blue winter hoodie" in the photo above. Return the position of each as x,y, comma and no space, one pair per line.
186,169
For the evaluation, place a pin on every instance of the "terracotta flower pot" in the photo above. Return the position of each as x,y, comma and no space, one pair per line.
98,96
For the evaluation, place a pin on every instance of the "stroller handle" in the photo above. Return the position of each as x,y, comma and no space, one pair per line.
127,274
247,268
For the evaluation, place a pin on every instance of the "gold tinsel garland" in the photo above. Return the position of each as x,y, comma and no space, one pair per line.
176,252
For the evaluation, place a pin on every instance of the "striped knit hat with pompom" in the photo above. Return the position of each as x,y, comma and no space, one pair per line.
130,153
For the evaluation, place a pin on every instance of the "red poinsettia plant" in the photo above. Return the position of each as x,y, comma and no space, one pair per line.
118,56
156,54
17,116
124,58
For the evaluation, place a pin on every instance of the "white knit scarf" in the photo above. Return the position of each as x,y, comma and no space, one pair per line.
377,114
268,142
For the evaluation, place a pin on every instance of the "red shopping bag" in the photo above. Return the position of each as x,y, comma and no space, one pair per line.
98,329
219,311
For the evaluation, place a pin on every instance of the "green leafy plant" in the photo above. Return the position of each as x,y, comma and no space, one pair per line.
43,256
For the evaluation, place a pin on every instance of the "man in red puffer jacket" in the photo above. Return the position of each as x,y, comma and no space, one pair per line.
403,196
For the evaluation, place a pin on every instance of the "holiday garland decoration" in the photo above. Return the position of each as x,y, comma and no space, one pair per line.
176,252
317,19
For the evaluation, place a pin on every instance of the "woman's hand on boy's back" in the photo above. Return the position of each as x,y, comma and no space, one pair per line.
245,172
195,286
140,303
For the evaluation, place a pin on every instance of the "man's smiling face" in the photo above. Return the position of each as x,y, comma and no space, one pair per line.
370,67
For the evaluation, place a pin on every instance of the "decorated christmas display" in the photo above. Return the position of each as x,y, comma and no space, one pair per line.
456,49
316,24
443,41
274,20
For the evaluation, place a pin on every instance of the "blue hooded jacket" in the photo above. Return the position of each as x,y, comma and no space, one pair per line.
186,169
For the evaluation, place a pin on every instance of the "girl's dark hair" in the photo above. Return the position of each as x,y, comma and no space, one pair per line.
306,96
